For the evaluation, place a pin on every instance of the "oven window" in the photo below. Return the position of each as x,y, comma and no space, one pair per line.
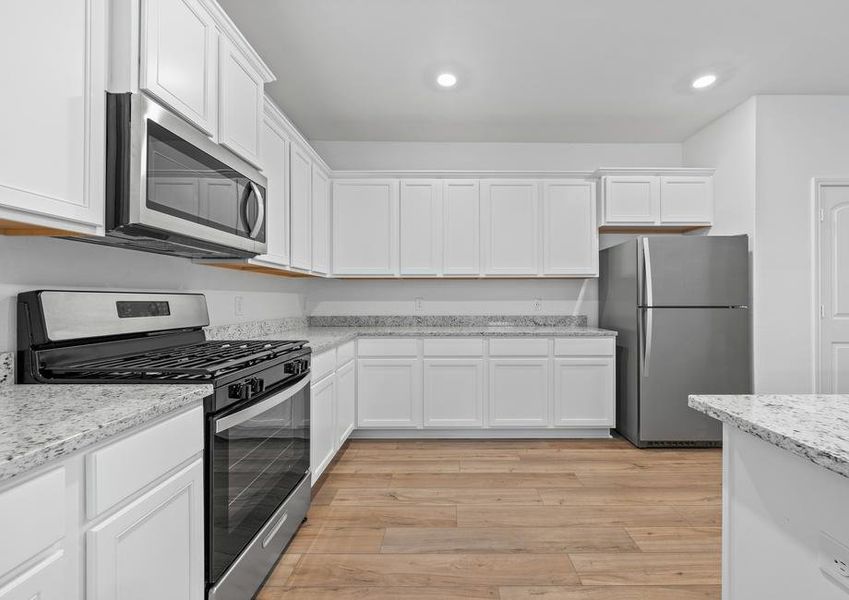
256,464
185,182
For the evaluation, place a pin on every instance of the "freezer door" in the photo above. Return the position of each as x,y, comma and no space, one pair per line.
689,351
694,270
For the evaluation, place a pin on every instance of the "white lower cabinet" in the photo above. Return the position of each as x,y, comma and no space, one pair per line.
518,392
389,392
346,401
453,392
152,548
45,581
322,435
584,392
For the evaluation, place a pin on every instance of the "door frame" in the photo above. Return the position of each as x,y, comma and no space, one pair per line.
817,185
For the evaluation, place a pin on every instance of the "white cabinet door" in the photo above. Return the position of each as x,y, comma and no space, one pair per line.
570,235
365,227
453,392
389,392
300,200
320,221
584,394
461,230
421,227
518,392
179,59
631,199
45,581
241,101
322,425
153,548
53,141
346,402
686,200
275,152
510,227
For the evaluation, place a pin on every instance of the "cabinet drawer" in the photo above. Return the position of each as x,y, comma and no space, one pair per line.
45,581
32,517
389,347
323,364
345,353
584,346
453,347
518,347
116,471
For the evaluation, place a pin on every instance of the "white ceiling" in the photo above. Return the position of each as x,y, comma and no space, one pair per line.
537,70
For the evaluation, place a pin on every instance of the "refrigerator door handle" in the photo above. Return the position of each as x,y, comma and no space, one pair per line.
648,333
647,264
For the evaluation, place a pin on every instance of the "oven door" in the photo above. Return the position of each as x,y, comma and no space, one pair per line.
257,455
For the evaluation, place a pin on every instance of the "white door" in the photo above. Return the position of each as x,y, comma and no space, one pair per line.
300,201
53,141
365,227
510,227
570,235
45,581
631,199
834,288
152,548
461,231
584,392
322,425
453,392
274,159
241,101
320,221
686,200
518,392
389,392
346,402
179,59
420,231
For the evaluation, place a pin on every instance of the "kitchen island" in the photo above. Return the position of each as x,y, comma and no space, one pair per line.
785,495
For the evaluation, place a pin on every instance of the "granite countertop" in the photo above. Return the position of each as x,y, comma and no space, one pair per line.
42,423
815,427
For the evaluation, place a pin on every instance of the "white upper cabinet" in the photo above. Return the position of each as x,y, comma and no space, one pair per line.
241,101
320,221
52,149
365,227
510,225
300,200
656,198
461,227
570,235
274,157
179,59
421,227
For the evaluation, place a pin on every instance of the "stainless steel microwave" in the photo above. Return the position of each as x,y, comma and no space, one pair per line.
170,189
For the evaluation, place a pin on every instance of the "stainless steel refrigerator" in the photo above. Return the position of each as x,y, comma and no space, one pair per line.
680,306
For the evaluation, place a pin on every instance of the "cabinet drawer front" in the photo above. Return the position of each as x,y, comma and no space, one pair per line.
453,347
584,346
45,581
388,347
345,353
323,364
32,517
518,347
116,471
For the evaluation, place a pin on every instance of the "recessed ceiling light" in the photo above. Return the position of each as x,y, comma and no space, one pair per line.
446,80
704,81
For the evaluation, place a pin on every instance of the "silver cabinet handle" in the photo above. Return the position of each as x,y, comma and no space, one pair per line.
260,209
252,411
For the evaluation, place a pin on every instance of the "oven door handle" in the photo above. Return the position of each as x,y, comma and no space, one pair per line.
237,418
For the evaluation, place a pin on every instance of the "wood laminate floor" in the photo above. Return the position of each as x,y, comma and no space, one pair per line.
509,520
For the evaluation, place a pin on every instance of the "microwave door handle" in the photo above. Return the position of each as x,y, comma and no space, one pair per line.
254,410
260,207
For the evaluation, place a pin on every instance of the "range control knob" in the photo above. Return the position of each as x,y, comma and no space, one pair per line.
239,391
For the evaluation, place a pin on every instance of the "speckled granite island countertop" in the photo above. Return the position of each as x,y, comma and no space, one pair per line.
42,423
815,427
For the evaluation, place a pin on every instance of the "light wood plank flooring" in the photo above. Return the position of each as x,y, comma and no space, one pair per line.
509,520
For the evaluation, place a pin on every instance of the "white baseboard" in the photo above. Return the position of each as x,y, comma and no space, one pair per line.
417,434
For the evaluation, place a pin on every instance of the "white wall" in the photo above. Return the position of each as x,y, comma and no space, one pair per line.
36,263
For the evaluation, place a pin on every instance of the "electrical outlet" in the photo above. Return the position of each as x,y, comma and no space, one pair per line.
537,305
239,306
418,304
834,559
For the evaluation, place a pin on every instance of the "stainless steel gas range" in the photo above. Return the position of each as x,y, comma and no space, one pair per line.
257,478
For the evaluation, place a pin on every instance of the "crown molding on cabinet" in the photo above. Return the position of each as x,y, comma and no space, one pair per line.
656,171
461,174
228,28
275,116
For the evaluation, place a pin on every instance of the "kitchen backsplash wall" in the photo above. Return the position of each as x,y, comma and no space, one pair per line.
448,321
